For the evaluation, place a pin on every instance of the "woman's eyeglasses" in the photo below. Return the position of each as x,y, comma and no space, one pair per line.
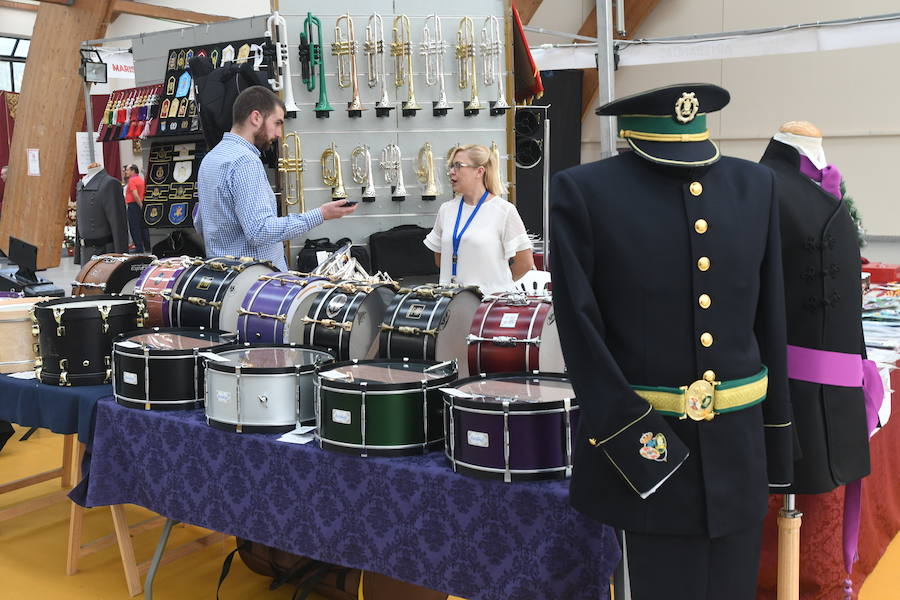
458,165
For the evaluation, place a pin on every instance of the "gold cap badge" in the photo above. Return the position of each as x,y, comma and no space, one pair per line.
686,107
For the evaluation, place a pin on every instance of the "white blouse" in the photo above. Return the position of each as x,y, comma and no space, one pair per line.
494,236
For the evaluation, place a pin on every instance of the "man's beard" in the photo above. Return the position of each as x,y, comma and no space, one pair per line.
261,141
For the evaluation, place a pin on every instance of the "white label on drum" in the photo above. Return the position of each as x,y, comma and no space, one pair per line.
478,438
321,255
129,378
509,319
340,416
223,397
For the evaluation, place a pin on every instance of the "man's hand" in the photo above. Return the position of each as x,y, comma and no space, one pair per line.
336,209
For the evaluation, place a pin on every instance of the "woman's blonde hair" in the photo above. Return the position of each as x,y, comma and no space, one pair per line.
482,156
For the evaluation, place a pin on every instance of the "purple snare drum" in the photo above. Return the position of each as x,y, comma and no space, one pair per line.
273,308
11,295
155,287
512,426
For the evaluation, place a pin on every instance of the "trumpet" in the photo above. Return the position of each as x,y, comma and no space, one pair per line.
374,50
331,173
401,50
425,172
344,48
361,169
276,31
392,163
466,65
432,48
291,165
311,57
491,67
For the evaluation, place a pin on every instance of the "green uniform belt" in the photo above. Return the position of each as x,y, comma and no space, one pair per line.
702,400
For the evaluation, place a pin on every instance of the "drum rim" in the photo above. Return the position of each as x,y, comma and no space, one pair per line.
220,367
187,352
552,405
340,386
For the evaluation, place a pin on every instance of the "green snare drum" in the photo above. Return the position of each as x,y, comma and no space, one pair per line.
383,407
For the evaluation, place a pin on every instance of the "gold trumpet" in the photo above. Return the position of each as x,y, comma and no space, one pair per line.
425,172
344,48
467,68
361,170
401,50
291,166
492,68
331,173
373,48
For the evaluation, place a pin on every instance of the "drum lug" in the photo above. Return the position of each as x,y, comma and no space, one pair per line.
64,364
108,377
37,370
217,266
264,400
38,361
58,312
64,378
104,309
35,331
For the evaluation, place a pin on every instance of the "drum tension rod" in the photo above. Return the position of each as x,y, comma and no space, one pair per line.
244,311
330,323
502,340
202,301
408,330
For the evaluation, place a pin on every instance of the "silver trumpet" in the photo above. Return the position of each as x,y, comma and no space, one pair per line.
331,173
466,65
344,48
392,163
373,48
491,67
361,169
276,31
432,48
425,172
401,50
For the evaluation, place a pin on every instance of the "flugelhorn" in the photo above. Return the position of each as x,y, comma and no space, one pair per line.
401,50
331,173
276,31
291,166
392,163
467,68
374,50
361,169
432,48
491,67
311,58
425,172
344,48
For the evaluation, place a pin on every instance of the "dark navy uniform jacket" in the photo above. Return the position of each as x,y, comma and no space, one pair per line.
824,312
632,251
100,210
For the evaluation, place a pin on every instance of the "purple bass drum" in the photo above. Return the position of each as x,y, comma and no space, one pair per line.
272,311
511,426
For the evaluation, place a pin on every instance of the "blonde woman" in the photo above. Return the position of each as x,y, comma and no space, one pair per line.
478,237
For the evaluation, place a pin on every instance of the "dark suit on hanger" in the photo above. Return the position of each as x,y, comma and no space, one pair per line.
100,216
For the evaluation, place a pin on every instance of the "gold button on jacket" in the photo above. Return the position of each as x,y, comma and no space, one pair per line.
703,263
706,339
704,300
696,188
700,226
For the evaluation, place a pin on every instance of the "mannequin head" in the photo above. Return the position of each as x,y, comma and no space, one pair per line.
804,128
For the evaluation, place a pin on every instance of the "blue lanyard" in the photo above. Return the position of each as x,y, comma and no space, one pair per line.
457,237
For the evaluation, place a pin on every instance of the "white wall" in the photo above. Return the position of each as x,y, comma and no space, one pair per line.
16,22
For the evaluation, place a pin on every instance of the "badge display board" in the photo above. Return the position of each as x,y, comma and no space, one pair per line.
178,108
130,114
171,184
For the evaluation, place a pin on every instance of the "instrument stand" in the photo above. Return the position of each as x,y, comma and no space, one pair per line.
291,114
496,111
789,520
410,112
439,112
471,112
396,198
383,111
367,198
428,197
323,114
353,113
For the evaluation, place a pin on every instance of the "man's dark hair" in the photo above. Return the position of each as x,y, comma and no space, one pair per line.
253,98
135,170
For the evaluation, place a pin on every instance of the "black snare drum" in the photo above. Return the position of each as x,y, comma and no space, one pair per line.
345,318
162,369
75,336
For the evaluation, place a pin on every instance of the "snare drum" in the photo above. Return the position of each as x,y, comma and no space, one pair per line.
512,333
210,293
75,336
162,369
155,287
110,274
381,407
262,388
346,318
429,322
17,352
514,427
273,309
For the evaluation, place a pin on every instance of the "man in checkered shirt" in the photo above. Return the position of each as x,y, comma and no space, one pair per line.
237,213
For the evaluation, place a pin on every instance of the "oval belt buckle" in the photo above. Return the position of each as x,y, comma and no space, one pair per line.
698,400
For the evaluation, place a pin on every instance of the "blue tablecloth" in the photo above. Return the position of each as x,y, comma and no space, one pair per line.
410,518
30,403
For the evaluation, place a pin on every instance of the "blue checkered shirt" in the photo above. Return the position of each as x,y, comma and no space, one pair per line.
237,211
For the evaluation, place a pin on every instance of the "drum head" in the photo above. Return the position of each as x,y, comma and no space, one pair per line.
273,358
300,308
367,323
87,303
517,389
387,372
234,295
451,339
550,353
179,339
15,312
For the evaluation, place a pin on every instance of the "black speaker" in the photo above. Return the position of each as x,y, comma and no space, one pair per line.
561,103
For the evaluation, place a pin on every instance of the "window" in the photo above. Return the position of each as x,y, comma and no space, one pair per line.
13,52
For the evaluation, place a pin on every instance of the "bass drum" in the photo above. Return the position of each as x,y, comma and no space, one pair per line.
512,426
429,322
273,309
75,336
110,274
155,286
17,352
512,333
346,318
210,293
162,369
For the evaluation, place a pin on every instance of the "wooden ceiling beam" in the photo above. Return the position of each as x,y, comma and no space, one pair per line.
129,7
18,5
526,9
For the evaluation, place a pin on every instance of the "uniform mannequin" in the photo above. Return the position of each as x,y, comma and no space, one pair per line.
100,213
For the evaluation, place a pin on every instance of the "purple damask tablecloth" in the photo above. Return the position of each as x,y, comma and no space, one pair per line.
409,518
